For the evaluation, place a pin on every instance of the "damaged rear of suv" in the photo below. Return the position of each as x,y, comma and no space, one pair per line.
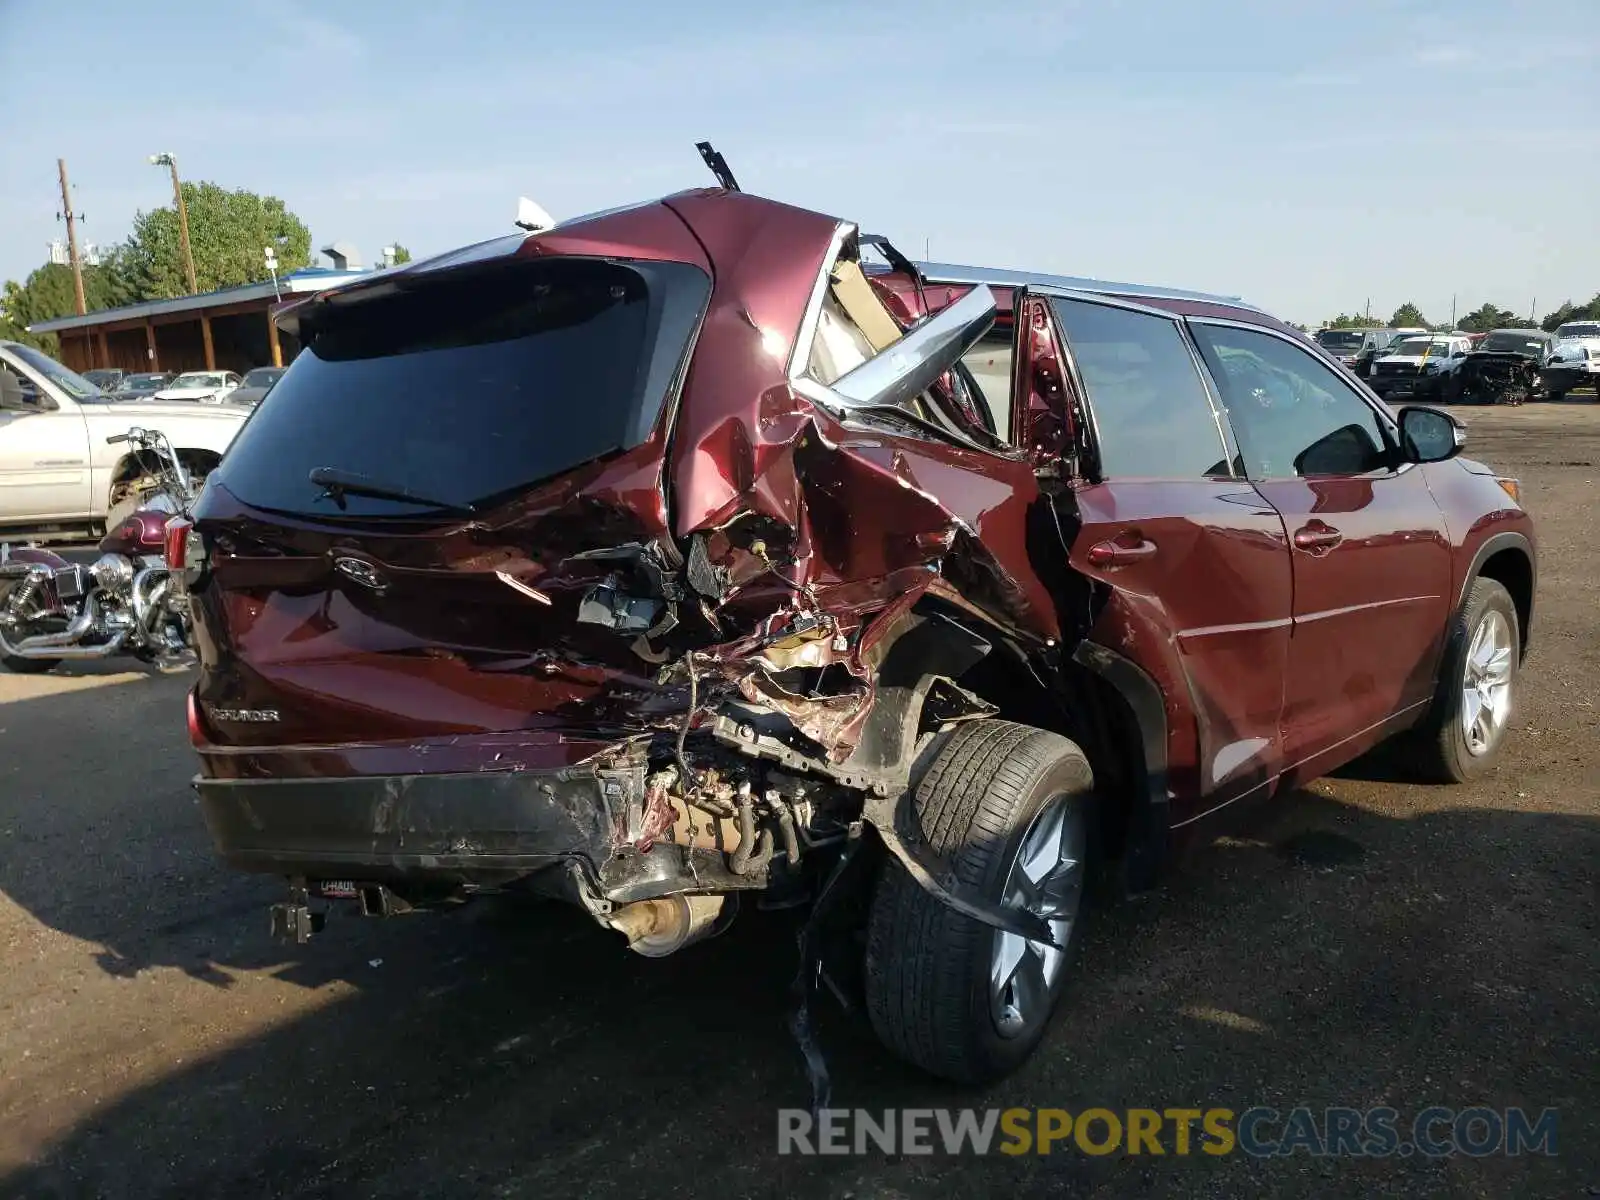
669,556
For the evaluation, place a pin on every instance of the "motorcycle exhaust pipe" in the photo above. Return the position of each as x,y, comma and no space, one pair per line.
659,927
28,649
60,645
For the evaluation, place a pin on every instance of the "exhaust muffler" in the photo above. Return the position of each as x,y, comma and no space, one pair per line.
665,925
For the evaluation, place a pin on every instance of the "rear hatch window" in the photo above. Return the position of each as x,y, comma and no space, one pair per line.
468,387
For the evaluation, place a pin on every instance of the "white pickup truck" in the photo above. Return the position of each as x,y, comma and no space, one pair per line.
58,477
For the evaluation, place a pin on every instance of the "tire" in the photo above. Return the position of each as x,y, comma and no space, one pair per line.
25,666
125,501
994,788
128,498
1446,753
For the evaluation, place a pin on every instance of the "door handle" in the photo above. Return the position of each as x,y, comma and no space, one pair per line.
1317,538
1122,551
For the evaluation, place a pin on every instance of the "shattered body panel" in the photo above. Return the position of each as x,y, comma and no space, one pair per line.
1486,377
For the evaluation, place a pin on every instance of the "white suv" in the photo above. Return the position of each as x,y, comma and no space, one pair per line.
1575,360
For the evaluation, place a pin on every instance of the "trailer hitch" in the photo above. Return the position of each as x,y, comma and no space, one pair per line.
294,920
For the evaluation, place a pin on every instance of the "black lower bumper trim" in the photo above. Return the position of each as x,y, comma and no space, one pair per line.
466,825
479,828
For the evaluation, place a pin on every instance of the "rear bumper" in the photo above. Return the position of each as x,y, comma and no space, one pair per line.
577,829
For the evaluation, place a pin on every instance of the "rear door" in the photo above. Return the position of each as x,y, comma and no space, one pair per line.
1372,557
1194,562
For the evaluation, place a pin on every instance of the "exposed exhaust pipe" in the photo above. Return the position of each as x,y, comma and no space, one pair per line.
61,645
659,927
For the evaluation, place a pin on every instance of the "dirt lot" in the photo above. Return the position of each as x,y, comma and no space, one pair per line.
1365,942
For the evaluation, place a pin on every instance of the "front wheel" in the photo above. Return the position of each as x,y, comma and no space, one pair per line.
1009,808
1466,727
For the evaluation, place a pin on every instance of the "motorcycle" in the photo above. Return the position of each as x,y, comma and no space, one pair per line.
54,611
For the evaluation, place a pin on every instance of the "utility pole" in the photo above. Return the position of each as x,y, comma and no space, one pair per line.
72,236
1452,311
171,160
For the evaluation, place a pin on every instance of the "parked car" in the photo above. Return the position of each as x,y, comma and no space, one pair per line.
1419,367
666,557
1343,344
1375,342
210,387
106,379
1575,359
142,386
256,385
59,478
1504,367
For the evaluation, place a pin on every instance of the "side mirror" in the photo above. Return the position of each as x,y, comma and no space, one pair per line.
1430,435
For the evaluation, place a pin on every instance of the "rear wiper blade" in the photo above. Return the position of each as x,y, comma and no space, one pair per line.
337,484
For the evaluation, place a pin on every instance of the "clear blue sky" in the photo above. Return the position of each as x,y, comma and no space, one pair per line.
1307,156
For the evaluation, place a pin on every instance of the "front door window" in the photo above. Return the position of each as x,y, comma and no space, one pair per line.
1292,415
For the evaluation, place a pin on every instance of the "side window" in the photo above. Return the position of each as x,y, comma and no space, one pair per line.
1151,409
1291,414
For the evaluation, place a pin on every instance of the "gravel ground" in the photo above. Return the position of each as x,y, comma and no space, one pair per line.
1363,942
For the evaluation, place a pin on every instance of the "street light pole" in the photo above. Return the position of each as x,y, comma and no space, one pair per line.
171,160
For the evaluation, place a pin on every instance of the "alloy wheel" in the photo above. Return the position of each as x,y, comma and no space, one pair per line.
1046,879
1486,684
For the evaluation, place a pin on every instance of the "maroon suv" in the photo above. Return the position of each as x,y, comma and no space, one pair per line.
676,553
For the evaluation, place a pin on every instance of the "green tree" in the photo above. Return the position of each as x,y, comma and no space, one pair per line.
1560,317
48,292
227,232
401,254
1488,317
1572,312
1350,321
1407,314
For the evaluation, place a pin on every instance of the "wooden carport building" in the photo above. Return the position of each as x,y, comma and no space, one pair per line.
227,330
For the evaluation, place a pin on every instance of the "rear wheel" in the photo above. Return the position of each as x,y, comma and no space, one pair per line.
1009,808
1471,712
25,622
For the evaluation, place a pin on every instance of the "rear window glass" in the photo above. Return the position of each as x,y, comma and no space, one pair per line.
1519,343
465,390
1340,339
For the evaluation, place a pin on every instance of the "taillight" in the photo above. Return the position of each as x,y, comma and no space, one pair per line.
177,543
197,734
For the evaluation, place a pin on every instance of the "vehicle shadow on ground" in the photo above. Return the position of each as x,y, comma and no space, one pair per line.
1324,955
